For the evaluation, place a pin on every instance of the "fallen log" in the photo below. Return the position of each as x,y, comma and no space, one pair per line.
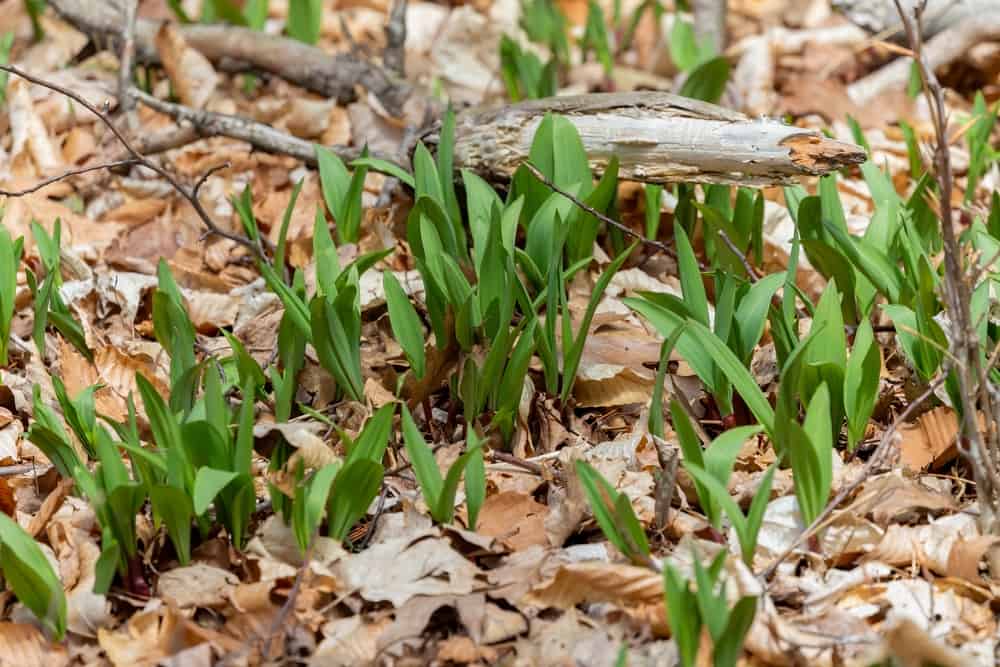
657,137
235,48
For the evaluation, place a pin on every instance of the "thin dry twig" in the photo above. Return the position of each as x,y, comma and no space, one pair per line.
980,448
624,229
69,174
208,174
394,55
125,101
278,626
135,155
747,266
515,461
260,136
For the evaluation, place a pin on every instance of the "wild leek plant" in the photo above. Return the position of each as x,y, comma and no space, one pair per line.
331,319
614,514
688,612
10,259
439,492
49,305
29,574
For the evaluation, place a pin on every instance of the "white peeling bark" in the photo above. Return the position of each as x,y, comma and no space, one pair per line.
657,138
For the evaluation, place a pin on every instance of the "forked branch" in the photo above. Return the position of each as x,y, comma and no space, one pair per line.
134,157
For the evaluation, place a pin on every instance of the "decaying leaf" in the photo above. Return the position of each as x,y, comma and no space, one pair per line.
24,644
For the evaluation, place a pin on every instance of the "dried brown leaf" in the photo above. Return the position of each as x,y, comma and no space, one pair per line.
516,519
930,442
192,75
399,569
24,645
969,558
197,585
637,590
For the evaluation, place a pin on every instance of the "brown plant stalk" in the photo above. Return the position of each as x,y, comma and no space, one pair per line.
979,446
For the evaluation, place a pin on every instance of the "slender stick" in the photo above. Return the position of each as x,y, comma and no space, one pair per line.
980,447
73,172
597,214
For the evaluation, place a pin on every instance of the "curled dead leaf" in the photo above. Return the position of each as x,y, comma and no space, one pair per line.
971,559
516,519
930,441
24,645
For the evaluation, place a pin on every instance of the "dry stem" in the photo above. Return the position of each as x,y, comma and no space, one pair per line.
980,448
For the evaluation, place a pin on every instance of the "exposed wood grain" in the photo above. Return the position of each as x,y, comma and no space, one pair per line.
657,138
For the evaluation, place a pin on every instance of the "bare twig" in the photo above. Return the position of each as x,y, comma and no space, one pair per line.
68,174
136,155
877,458
260,136
204,177
980,447
125,101
370,531
20,469
624,229
278,626
666,482
747,266
515,461
165,140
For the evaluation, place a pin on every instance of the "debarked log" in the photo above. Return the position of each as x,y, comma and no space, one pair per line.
657,137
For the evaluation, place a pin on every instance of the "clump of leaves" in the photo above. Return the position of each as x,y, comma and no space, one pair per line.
688,612
439,492
711,469
30,575
614,514
331,319
341,491
49,305
10,259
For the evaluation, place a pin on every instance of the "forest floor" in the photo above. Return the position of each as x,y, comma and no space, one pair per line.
896,566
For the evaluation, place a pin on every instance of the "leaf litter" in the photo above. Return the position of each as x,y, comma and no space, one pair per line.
901,568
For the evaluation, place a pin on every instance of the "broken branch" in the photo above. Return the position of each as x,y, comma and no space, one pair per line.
260,136
135,155
312,68
657,137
